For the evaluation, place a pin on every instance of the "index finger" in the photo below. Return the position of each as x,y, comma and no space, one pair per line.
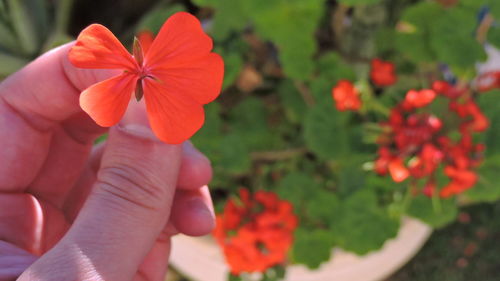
46,91
33,104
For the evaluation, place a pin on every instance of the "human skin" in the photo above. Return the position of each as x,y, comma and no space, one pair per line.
70,210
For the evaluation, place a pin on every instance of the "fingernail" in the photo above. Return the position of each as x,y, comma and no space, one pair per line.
135,121
200,207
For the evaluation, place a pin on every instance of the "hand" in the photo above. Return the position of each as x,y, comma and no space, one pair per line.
73,211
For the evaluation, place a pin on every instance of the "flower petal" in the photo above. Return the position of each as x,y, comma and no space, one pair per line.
180,38
174,118
107,101
398,170
200,79
97,47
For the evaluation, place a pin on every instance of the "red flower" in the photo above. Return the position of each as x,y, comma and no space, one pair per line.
177,75
382,73
346,96
416,99
392,164
257,233
478,122
461,180
415,131
414,134
427,161
398,170
488,81
441,87
382,162
446,89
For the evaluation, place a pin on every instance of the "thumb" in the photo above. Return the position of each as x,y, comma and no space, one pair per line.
127,210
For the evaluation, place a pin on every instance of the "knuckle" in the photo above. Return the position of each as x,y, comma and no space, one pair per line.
133,186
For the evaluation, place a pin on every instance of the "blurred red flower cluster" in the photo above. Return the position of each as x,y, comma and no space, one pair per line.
382,73
415,142
346,96
255,231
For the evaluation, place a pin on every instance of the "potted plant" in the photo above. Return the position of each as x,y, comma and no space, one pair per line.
346,131
358,114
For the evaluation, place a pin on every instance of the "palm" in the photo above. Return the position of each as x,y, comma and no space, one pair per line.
50,165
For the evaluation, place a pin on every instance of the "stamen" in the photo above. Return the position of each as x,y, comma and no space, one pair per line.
137,52
139,92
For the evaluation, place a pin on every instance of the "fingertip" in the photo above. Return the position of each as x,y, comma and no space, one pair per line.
13,261
79,77
192,213
196,169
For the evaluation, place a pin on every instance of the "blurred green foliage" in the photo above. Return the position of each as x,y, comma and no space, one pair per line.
29,27
274,126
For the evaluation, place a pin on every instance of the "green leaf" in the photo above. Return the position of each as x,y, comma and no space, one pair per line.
232,52
233,64
248,119
59,33
413,39
249,115
352,177
212,128
493,5
474,4
381,183
324,132
228,152
297,187
321,89
293,25
296,64
230,16
233,155
9,41
421,207
275,273
490,105
494,36
292,101
280,272
3,12
331,67
487,188
321,206
361,225
29,22
358,2
312,247
456,25
385,39
62,16
210,3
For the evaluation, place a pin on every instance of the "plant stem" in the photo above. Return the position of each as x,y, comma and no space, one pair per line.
305,93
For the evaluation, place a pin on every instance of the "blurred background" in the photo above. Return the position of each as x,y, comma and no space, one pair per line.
278,127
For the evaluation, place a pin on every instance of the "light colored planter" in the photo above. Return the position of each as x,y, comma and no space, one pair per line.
201,259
